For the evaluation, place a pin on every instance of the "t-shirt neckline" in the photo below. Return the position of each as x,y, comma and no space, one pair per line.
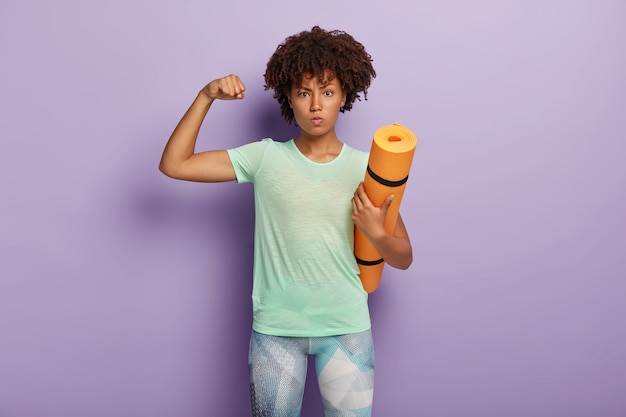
334,160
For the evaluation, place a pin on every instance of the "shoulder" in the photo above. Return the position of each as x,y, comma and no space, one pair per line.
251,148
269,143
357,155
355,150
263,143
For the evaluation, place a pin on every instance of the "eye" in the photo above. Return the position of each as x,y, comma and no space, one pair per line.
328,93
303,93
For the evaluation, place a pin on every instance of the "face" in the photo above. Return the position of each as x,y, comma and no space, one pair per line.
316,104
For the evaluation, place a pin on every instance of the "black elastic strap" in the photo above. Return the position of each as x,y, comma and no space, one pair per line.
383,181
368,263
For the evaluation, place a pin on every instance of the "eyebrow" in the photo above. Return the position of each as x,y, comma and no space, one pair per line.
309,89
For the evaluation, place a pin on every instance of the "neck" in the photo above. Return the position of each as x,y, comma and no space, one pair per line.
319,148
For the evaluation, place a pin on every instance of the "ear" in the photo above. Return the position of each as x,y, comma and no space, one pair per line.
343,100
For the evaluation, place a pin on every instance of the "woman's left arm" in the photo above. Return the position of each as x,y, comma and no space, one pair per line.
394,248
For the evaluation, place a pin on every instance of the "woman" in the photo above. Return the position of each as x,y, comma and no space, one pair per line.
307,295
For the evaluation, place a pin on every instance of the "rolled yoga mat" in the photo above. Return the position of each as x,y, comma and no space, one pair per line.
387,172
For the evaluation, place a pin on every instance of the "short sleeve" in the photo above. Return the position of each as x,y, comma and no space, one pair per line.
248,159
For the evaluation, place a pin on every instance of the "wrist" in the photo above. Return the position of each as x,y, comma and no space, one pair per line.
204,97
377,236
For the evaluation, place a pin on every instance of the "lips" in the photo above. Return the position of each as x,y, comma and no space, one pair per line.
317,120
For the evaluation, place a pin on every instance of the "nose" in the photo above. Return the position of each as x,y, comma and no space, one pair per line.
315,102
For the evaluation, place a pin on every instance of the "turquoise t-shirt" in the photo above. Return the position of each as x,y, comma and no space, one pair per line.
306,280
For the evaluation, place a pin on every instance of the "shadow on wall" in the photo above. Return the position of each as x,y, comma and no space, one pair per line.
199,216
204,224
269,123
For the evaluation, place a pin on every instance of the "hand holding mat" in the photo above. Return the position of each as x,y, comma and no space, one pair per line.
388,169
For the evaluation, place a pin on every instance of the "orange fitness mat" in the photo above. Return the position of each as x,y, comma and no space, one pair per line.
387,172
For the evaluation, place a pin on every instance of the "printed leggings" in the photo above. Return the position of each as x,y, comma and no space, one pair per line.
344,366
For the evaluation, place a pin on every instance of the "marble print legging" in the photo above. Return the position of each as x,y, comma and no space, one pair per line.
344,366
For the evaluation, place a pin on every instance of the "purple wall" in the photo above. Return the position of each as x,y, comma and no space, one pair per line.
126,294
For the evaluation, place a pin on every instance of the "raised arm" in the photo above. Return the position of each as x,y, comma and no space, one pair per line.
179,159
394,248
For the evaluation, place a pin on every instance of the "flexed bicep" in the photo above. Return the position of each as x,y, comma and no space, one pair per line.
208,166
179,159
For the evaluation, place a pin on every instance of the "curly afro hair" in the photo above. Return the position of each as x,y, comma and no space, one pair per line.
316,52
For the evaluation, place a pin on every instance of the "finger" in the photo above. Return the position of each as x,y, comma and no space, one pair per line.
387,203
363,197
355,209
355,203
356,200
239,85
233,89
356,214
356,192
236,86
224,87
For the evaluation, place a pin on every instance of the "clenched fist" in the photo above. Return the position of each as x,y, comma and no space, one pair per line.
226,88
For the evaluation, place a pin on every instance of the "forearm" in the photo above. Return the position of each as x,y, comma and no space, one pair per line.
395,251
181,144
395,248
